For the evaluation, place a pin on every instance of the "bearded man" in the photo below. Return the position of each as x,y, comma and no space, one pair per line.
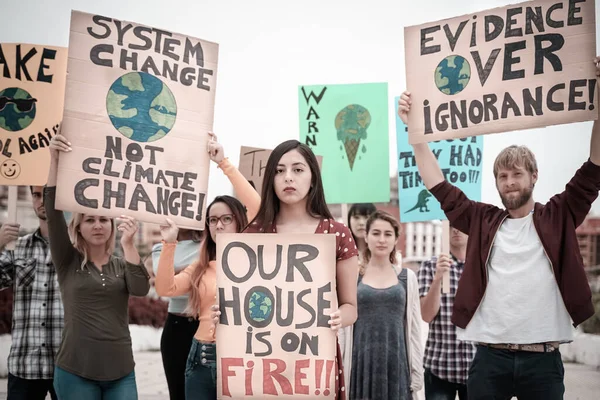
523,288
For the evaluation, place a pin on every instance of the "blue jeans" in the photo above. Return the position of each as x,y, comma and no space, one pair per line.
69,386
501,374
201,372
439,389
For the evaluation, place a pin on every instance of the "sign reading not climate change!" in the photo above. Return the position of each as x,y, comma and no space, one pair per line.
32,90
521,66
139,104
275,294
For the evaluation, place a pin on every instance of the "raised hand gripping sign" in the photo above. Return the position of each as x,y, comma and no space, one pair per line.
139,105
275,294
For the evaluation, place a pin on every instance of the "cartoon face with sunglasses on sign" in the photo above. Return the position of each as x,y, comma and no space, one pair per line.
17,109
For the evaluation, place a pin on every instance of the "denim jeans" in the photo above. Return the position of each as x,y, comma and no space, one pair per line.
201,372
439,389
502,374
69,386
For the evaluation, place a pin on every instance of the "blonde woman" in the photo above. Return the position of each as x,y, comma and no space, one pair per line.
386,350
95,359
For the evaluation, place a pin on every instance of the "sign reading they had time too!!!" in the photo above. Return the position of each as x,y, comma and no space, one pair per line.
522,66
138,108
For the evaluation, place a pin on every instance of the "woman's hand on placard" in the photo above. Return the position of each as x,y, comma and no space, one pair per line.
169,231
128,228
215,149
335,321
58,144
215,315
404,104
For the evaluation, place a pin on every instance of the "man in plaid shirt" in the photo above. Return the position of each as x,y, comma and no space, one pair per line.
447,359
37,319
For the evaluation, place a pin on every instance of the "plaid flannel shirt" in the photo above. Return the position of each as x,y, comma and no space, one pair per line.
37,320
445,356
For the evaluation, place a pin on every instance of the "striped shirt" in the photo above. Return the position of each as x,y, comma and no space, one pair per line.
445,356
37,320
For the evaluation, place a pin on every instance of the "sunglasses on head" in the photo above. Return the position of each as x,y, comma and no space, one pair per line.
22,105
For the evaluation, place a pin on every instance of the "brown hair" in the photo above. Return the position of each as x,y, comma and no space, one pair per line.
381,216
79,242
270,203
208,249
515,156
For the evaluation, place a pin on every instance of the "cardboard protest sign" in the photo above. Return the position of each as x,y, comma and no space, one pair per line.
32,90
460,161
275,293
348,126
253,162
139,104
521,66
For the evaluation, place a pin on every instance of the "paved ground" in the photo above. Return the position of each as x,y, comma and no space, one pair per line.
582,382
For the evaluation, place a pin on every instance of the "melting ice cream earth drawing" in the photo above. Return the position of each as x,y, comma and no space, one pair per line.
351,124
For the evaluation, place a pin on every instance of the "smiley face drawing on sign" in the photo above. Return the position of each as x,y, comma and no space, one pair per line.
10,169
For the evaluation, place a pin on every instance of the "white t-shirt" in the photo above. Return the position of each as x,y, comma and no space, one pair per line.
522,303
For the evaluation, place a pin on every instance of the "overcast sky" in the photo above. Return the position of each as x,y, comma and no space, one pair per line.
269,47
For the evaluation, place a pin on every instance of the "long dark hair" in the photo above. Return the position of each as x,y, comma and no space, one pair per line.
270,203
362,209
208,248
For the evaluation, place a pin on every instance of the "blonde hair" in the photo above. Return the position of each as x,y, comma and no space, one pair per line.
381,216
515,156
80,243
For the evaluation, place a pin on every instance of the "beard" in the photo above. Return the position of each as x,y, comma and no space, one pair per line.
514,203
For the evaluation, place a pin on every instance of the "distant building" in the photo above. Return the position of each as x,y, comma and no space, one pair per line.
588,236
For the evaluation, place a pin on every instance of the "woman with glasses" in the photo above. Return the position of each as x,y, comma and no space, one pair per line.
224,215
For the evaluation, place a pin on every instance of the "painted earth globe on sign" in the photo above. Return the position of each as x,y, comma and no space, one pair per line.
141,107
260,306
452,74
17,109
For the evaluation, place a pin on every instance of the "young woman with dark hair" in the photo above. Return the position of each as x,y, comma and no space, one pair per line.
387,355
225,214
357,222
95,359
293,201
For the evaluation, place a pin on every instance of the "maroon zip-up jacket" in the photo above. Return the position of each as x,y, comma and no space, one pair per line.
555,223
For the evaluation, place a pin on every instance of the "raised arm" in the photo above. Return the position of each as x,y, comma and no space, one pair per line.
595,141
166,283
60,243
243,189
429,169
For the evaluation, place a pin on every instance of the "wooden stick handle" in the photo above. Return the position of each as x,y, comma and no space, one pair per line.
446,250
13,194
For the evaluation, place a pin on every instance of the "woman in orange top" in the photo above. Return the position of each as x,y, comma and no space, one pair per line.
225,214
